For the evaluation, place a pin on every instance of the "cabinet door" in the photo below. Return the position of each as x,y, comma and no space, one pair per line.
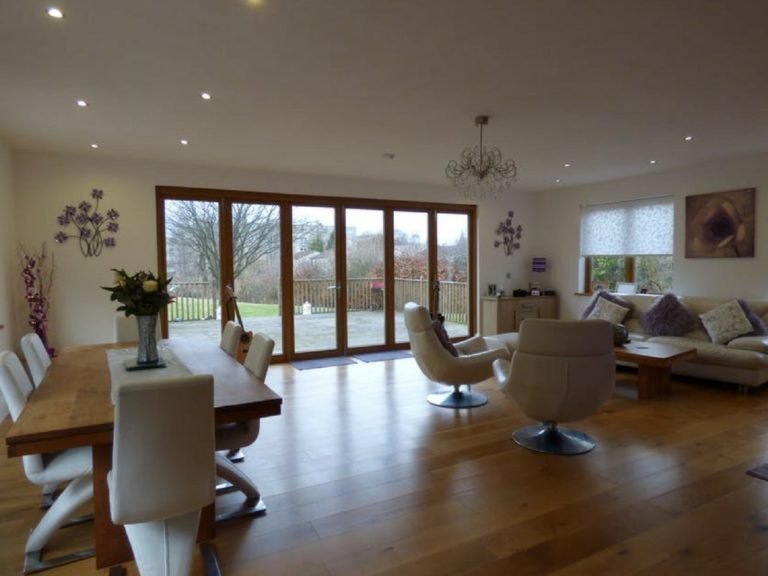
529,311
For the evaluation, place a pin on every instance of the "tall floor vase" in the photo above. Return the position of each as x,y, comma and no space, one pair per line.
147,348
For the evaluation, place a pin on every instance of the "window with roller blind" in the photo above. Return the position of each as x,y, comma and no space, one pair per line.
625,243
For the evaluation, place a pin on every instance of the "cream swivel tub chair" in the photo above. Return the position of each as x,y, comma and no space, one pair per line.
36,356
238,434
156,497
472,364
561,371
72,466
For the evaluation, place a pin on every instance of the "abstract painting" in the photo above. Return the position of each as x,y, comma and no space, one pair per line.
720,224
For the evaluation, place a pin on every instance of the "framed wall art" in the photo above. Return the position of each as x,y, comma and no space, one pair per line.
720,224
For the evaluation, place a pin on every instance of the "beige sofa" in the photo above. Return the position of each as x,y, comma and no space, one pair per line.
742,361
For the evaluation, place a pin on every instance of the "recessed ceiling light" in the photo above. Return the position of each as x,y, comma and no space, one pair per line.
94,145
82,103
54,12
566,165
652,162
205,95
688,138
184,142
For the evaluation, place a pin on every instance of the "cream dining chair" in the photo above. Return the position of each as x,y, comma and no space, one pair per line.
73,467
36,356
159,499
238,434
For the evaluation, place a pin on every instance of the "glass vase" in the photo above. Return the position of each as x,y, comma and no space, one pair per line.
147,347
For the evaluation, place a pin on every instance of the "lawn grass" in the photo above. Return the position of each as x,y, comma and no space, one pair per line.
248,310
185,308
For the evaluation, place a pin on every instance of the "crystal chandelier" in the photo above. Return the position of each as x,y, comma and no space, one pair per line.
481,172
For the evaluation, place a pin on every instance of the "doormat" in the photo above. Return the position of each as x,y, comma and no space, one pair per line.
322,362
759,472
385,355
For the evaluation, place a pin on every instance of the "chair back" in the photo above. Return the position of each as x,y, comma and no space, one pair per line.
259,355
16,387
36,356
163,455
14,383
562,370
230,338
430,355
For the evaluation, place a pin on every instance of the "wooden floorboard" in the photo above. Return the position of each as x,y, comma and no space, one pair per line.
362,477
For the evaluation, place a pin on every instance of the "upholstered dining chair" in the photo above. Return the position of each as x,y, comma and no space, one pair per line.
230,341
72,466
236,435
36,356
471,364
561,371
159,499
230,338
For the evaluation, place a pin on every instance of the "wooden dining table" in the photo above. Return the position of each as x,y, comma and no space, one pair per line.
73,407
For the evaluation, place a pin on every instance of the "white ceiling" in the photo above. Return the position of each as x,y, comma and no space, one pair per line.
329,86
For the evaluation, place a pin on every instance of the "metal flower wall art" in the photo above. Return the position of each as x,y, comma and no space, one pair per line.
93,229
510,235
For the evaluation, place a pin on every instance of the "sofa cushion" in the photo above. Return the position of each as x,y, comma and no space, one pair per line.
756,343
667,317
758,326
726,322
604,309
442,335
607,296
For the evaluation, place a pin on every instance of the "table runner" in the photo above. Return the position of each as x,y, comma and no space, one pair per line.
119,375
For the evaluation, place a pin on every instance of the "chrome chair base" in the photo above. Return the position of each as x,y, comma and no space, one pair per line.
250,507
549,438
458,399
34,562
236,455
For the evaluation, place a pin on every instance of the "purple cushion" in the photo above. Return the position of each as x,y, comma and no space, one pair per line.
759,327
442,335
667,317
608,296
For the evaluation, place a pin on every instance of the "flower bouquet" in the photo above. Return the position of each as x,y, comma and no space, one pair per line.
142,295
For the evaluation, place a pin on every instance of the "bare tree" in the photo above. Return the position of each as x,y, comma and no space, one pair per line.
194,225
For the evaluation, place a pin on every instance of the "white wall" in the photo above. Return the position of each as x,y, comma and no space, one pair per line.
81,312
558,220
8,269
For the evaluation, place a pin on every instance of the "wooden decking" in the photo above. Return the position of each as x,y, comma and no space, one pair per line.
362,477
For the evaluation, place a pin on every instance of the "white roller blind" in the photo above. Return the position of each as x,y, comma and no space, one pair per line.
633,228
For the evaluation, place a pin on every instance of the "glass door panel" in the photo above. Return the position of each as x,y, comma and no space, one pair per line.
453,271
315,286
256,268
193,261
411,258
365,277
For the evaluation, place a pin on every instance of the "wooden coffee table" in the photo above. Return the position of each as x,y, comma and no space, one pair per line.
654,362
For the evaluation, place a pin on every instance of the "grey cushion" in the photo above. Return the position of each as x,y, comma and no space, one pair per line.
667,317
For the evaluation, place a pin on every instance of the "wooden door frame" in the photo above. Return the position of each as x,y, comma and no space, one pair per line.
225,198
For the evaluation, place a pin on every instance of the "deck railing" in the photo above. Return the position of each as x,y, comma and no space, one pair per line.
200,300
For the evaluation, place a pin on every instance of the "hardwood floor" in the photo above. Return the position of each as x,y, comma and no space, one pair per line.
362,477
